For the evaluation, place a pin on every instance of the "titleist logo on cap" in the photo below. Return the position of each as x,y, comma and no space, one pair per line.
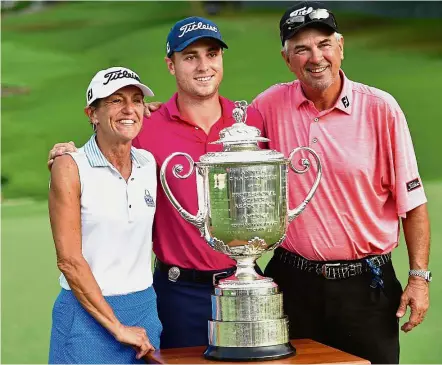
120,74
190,27
302,11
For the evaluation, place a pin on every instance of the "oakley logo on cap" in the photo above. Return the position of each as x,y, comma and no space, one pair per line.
120,74
167,47
319,14
302,11
190,27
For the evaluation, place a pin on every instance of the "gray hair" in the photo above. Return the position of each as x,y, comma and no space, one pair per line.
337,35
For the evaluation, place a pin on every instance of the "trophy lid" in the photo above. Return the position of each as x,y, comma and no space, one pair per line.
240,142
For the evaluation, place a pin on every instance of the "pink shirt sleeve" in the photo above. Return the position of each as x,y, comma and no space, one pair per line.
255,119
405,182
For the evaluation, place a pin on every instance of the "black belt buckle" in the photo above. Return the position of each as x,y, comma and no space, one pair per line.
324,270
218,276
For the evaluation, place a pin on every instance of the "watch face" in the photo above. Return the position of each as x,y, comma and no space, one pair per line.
429,276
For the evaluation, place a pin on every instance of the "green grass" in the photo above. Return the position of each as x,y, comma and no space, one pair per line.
30,285
55,53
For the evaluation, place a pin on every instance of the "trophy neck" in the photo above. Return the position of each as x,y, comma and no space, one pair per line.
245,268
245,276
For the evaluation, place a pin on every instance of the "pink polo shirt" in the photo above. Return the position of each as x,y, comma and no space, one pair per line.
370,175
175,241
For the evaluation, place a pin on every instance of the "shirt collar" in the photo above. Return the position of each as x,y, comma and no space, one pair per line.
97,159
344,101
172,107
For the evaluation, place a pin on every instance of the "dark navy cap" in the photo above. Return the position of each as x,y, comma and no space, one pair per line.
303,14
189,30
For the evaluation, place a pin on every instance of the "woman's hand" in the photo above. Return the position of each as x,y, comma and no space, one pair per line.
135,337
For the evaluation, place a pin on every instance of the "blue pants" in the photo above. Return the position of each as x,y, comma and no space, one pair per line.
77,338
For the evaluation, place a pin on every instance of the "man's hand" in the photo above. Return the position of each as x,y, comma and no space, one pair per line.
151,107
135,337
417,296
58,150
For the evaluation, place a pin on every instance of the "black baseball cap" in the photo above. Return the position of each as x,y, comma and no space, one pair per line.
304,14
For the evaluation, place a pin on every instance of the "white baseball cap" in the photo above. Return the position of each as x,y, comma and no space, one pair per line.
106,82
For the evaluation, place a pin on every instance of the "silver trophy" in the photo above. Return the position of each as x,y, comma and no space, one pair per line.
243,212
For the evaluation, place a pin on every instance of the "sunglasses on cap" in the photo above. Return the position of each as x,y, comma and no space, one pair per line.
319,16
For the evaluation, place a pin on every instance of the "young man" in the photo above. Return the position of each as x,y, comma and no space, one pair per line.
335,266
186,266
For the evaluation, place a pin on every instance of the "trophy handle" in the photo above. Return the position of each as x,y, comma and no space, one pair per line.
294,213
197,220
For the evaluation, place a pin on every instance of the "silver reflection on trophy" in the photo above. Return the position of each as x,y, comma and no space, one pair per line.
243,212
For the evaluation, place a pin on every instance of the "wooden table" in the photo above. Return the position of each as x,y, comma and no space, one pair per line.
307,352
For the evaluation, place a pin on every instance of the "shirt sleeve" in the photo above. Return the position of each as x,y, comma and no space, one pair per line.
406,184
255,119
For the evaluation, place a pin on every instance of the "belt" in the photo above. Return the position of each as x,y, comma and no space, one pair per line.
175,273
332,269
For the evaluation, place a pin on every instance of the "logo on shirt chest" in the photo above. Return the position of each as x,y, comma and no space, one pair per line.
413,184
148,199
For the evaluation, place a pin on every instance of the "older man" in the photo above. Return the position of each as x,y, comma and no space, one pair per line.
335,266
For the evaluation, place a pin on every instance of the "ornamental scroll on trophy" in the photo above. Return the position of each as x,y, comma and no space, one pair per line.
243,212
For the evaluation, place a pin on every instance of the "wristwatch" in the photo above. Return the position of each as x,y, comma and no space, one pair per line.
421,273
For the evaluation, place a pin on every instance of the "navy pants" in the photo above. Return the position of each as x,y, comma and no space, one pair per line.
184,309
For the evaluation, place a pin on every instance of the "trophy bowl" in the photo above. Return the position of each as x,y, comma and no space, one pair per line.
243,212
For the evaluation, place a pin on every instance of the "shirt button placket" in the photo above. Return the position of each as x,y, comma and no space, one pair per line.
129,203
314,127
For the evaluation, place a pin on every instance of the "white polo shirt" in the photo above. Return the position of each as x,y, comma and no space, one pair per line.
116,219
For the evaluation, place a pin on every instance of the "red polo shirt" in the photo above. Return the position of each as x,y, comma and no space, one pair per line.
175,241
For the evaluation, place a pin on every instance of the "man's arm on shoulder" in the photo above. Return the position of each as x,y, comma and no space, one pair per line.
60,149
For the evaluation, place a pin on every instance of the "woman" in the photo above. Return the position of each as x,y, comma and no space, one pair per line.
101,207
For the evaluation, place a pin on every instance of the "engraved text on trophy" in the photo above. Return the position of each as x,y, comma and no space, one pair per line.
248,201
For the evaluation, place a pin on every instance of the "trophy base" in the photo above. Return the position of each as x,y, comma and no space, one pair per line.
261,353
